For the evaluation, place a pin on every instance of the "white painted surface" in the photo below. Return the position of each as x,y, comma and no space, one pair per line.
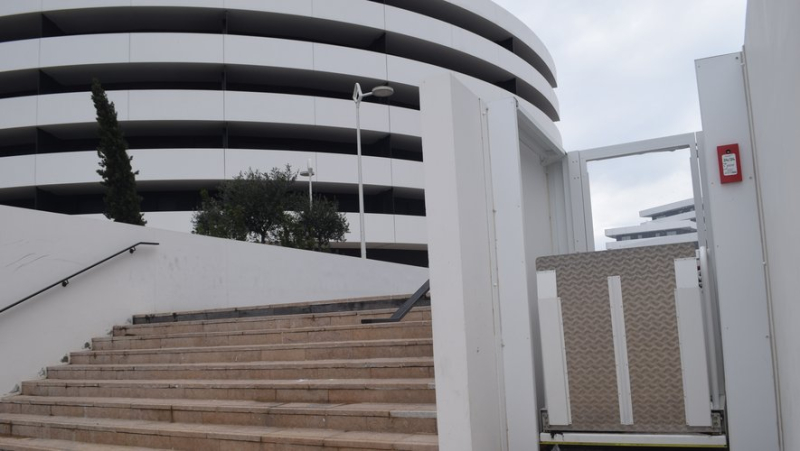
435,31
76,50
704,441
667,208
18,171
176,47
468,416
655,241
211,165
554,352
546,284
186,272
738,258
210,48
652,226
692,341
520,195
772,42
19,55
241,50
192,105
485,184
620,350
359,12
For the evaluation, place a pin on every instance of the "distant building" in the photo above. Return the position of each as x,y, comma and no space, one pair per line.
668,224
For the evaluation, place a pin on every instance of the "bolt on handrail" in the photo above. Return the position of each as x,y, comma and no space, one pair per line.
64,281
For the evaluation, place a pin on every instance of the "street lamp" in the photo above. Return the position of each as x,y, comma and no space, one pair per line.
309,172
358,95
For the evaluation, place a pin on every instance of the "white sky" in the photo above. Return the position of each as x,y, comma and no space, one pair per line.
625,70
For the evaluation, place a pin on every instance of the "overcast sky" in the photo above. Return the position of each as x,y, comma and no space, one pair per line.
625,70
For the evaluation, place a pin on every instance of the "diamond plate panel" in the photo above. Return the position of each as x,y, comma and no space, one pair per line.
648,283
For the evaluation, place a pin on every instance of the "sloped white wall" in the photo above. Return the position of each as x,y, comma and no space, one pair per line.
185,272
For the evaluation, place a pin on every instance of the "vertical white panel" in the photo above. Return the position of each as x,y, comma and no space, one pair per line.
464,336
772,41
620,350
587,204
691,336
708,289
514,264
574,186
737,255
554,353
546,284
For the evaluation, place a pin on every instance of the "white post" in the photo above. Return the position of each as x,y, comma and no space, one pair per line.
360,179
357,96
310,178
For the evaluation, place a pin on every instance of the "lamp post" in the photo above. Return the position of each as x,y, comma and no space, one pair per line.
309,172
358,95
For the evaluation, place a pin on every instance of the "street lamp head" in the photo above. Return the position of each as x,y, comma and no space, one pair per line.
382,91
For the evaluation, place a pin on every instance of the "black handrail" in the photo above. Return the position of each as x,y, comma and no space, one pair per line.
65,280
405,308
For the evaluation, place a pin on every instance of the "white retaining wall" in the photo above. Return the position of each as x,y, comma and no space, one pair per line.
185,272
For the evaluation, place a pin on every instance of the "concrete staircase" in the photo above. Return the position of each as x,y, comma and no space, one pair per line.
302,382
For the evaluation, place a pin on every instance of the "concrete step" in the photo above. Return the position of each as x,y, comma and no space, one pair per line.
422,347
402,368
316,307
194,437
412,391
398,418
266,322
40,444
410,329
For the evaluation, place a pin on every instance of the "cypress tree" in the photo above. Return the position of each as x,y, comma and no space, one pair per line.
122,203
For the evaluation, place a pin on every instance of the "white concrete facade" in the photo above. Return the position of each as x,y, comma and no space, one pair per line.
206,89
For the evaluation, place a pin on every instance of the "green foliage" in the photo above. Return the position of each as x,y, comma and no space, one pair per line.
260,207
122,203
318,223
214,220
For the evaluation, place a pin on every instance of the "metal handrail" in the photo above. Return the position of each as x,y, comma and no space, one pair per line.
64,281
405,308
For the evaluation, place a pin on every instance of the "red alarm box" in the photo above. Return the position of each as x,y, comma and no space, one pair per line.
730,163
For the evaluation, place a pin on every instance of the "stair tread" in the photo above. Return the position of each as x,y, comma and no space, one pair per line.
319,437
367,409
414,383
282,346
266,331
372,312
346,363
40,444
321,307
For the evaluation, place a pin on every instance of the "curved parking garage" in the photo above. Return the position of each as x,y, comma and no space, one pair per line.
207,89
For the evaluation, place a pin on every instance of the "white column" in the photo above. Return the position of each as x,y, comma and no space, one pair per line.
737,255
468,395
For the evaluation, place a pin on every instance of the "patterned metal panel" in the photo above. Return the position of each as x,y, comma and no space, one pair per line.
648,283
